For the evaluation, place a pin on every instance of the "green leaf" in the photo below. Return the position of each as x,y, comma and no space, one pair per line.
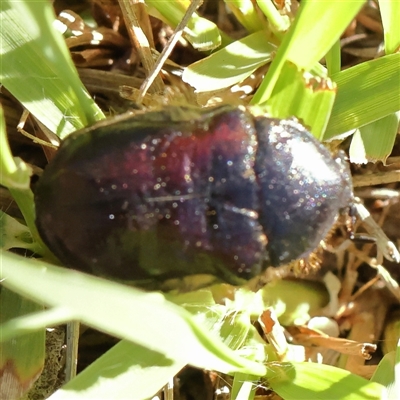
388,373
318,381
374,142
37,68
15,235
391,333
21,358
307,97
365,93
390,12
306,43
230,65
231,321
310,298
244,387
15,175
247,14
126,371
278,22
333,59
14,172
200,32
123,312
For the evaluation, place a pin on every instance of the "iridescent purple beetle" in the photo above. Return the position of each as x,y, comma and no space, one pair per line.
221,192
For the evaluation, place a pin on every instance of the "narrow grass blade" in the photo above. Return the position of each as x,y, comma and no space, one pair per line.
14,172
126,371
318,381
14,235
15,175
388,373
374,142
200,32
19,326
391,334
333,59
390,12
309,98
247,14
244,387
37,69
225,68
22,358
366,93
329,20
279,23
290,311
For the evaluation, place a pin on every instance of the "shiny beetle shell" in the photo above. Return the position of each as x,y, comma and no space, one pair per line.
220,192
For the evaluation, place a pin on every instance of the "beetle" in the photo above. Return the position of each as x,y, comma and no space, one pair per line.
179,192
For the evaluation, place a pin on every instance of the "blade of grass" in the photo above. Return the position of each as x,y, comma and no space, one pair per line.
366,93
388,373
225,67
329,19
200,32
374,142
317,381
307,97
15,175
244,387
37,69
391,333
333,59
279,23
125,371
34,321
390,12
290,311
22,358
13,172
14,235
247,14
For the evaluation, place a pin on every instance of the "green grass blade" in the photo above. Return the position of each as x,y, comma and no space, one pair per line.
232,321
279,23
124,312
14,235
366,93
37,69
247,14
329,20
20,326
15,175
200,32
390,12
126,371
307,97
24,199
225,68
318,381
244,387
374,142
13,172
333,59
391,333
290,311
21,358
388,373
